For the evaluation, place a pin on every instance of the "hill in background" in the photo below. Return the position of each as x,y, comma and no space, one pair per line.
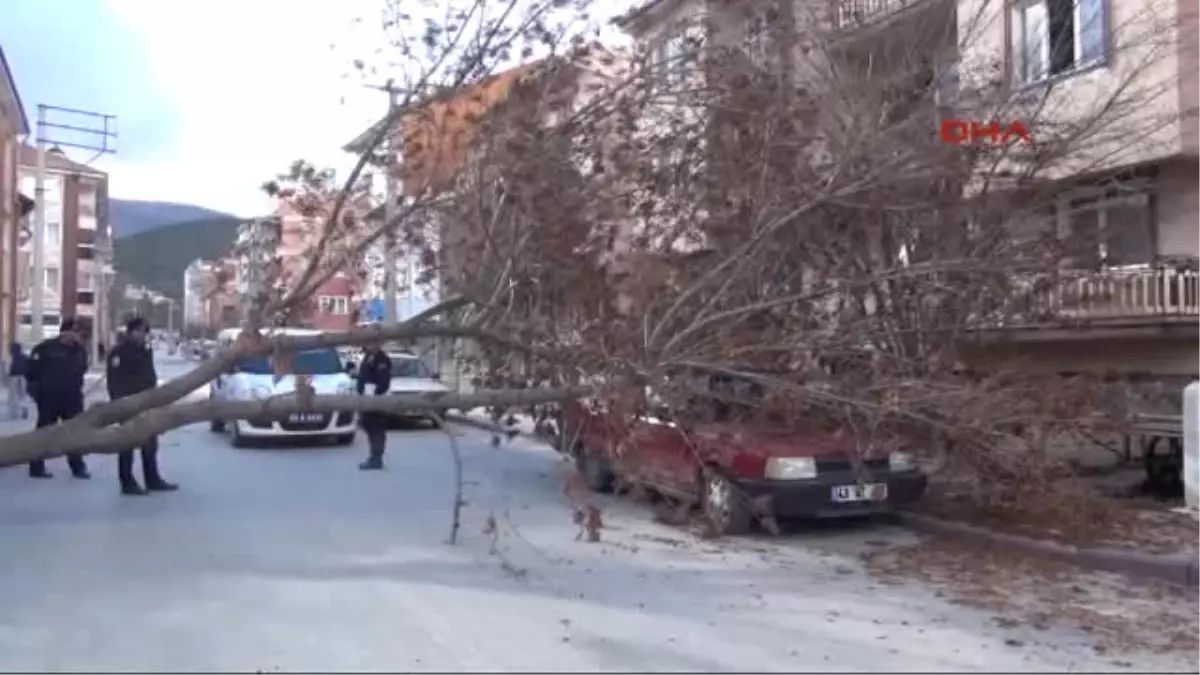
131,217
156,258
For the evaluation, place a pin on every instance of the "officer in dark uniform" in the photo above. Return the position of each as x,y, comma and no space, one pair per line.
55,378
375,371
131,371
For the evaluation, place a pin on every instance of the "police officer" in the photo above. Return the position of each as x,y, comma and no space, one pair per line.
131,371
375,371
55,381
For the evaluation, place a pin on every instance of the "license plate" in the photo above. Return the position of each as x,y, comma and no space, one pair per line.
871,492
306,418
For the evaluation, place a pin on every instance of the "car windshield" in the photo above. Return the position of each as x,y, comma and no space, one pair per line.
407,366
729,399
308,362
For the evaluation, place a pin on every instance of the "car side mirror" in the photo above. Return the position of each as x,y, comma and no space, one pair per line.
350,369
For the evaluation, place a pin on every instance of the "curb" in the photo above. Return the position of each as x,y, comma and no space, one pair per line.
1180,569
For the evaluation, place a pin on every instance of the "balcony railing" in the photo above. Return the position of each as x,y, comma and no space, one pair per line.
1151,293
852,13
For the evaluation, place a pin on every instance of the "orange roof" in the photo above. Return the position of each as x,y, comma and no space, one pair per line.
438,136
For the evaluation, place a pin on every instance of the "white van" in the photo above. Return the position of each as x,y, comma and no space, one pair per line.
253,378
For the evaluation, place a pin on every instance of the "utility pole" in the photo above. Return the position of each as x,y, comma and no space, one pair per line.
37,284
83,130
391,291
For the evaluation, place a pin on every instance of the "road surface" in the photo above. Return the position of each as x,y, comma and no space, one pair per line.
292,559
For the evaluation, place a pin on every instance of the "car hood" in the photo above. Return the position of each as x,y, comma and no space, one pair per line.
777,442
322,384
416,384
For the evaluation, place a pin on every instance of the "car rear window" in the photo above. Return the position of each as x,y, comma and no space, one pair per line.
403,366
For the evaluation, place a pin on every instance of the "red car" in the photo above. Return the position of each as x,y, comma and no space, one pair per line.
737,470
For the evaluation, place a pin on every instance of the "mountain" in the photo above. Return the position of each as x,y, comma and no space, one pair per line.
130,217
156,258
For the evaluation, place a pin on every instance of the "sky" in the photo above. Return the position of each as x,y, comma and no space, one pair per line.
210,98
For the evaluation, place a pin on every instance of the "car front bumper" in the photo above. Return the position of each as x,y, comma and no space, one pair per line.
813,497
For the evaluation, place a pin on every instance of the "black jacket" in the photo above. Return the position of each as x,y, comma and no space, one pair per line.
56,369
130,370
376,370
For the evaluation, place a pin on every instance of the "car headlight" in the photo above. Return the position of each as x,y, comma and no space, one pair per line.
791,468
901,461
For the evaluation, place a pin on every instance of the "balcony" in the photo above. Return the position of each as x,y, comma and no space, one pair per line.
1121,294
1115,298
850,14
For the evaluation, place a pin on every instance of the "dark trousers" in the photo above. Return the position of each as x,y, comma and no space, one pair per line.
50,411
375,427
149,464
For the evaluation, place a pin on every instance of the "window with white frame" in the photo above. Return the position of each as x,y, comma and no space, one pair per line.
333,304
53,234
52,280
1056,37
87,203
87,281
1112,231
668,57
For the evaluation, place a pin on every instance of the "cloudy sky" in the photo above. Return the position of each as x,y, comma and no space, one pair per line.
211,98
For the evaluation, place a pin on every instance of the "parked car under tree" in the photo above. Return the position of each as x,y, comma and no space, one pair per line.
725,454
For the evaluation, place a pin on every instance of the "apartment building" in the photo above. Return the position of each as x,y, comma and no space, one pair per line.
436,148
206,308
1128,300
14,205
274,249
436,145
78,244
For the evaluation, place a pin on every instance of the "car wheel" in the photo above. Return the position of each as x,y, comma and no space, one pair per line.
344,439
216,426
725,506
596,472
238,440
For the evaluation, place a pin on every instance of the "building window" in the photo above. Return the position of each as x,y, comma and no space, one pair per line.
669,58
51,280
86,252
47,320
87,281
1056,37
758,39
1112,231
333,304
53,235
87,203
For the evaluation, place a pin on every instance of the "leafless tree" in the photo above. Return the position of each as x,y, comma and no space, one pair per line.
784,212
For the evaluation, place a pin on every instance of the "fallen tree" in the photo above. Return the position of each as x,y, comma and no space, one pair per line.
616,217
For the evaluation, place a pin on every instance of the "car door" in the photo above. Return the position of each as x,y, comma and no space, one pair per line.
662,451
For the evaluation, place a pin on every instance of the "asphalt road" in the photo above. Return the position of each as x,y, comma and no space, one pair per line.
291,559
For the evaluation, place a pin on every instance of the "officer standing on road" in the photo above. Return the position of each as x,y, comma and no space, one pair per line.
131,371
375,370
55,381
